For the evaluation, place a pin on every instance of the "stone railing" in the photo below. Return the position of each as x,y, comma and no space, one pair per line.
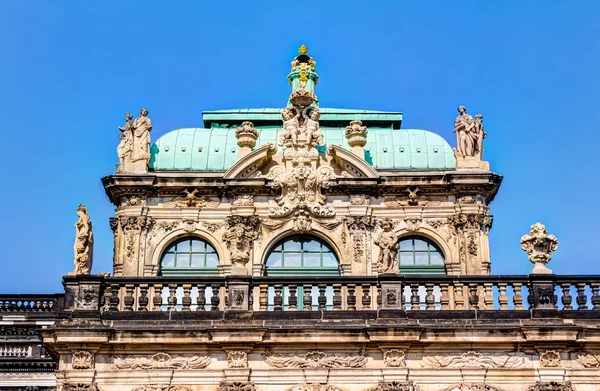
369,293
15,351
30,303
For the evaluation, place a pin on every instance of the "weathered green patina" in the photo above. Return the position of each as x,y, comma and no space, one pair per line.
214,148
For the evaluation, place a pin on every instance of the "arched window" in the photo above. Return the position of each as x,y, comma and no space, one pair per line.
302,255
189,256
420,255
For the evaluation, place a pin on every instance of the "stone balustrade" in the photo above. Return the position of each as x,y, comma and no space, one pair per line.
30,303
369,293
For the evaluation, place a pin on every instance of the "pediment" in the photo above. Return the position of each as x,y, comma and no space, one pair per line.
251,164
352,165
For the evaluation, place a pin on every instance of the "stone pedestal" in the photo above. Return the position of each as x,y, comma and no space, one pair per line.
542,292
471,162
238,290
391,292
82,292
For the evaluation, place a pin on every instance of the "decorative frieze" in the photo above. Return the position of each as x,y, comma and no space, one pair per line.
394,358
318,359
237,359
588,360
394,386
80,387
236,386
315,387
162,361
164,387
551,386
243,199
550,359
82,360
473,360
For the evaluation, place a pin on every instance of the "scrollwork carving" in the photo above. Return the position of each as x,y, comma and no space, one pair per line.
192,200
82,360
473,360
236,386
551,386
237,359
413,223
393,386
394,358
588,360
162,361
317,359
550,359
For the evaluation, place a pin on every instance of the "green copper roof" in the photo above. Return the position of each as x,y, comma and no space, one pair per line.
197,149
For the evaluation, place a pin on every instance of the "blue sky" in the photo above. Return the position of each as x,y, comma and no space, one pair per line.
70,69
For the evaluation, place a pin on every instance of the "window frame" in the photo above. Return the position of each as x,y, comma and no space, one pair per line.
189,270
302,270
432,247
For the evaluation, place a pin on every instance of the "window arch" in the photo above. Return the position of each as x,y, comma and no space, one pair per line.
189,256
302,255
420,255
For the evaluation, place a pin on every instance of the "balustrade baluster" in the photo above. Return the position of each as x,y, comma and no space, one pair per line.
351,297
114,297
215,300
201,299
414,297
518,297
502,297
567,299
581,296
143,300
366,296
473,296
322,300
157,298
429,297
263,300
444,297
128,300
172,299
459,298
488,295
595,295
378,289
307,300
337,297
278,299
293,299
186,300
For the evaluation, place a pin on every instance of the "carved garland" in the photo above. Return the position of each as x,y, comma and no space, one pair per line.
473,360
162,361
317,359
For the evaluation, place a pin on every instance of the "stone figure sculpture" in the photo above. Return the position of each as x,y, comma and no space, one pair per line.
84,242
141,137
313,131
301,120
291,126
125,146
469,134
387,241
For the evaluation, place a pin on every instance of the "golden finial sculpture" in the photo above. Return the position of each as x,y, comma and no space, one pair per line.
303,49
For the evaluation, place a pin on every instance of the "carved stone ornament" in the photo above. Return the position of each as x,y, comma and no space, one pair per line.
82,360
84,242
394,358
162,361
356,134
246,135
237,359
240,235
192,200
302,223
538,244
550,359
162,388
359,227
317,359
387,241
466,199
243,199
469,134
134,148
394,386
551,386
189,225
360,200
473,360
413,199
412,223
213,226
315,387
470,222
472,387
80,387
588,360
236,386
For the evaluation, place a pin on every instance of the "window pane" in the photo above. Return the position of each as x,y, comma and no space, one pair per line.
292,259
168,260
313,245
420,245
421,258
182,260
279,248
329,260
210,249
406,258
197,246
197,260
311,259
212,260
183,246
274,260
292,245
436,258
406,245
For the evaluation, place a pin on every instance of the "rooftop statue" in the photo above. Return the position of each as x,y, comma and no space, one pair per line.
84,242
469,139
134,148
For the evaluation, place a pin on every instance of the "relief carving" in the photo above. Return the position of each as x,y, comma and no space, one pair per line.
394,386
236,386
162,388
302,223
240,235
132,227
162,361
315,387
394,358
473,360
588,360
359,200
237,359
360,228
551,386
413,223
82,360
191,200
213,226
318,359
550,359
387,241
413,199
243,199
80,387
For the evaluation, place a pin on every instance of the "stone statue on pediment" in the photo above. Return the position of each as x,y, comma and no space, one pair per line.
469,140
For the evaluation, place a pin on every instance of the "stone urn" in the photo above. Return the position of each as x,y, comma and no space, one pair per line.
539,245
356,134
246,135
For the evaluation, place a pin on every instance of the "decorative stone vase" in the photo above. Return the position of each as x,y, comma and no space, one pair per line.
539,245
246,135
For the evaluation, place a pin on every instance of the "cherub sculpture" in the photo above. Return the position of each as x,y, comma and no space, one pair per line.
291,126
313,131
